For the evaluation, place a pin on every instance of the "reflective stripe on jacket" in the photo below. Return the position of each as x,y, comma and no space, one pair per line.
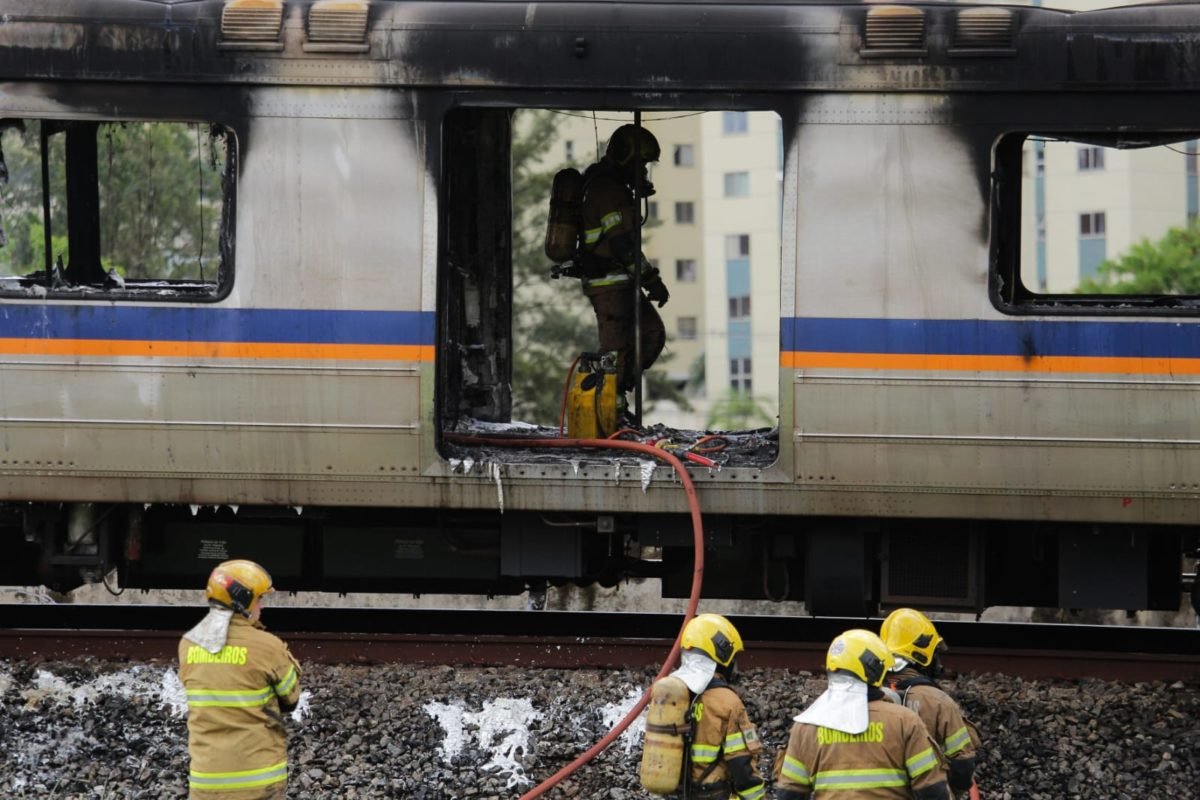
882,763
608,210
723,732
236,740
939,712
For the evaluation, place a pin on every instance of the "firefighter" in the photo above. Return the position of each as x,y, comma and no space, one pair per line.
853,743
724,752
613,188
239,681
915,644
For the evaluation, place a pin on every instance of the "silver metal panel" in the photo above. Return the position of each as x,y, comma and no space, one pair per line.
330,212
888,222
177,420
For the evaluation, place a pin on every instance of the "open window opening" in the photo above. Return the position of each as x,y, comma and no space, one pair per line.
115,210
537,321
1097,223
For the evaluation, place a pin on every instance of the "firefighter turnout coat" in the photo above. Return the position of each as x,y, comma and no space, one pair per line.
893,759
725,748
236,698
608,258
944,721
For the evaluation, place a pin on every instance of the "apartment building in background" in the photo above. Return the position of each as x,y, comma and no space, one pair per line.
1084,203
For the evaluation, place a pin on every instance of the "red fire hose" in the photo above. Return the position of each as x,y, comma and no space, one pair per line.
697,572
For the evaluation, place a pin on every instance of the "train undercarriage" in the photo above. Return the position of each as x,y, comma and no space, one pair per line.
835,566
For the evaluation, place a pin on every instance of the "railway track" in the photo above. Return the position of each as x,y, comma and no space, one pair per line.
592,639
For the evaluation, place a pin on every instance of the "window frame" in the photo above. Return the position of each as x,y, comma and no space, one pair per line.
1006,290
736,184
143,290
687,270
691,335
1090,158
680,206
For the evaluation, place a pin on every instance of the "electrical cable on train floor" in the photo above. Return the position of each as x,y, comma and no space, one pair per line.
697,575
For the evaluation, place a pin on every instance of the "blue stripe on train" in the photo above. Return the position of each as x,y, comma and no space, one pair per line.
1166,339
211,324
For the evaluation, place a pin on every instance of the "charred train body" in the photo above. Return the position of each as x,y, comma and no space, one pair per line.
260,346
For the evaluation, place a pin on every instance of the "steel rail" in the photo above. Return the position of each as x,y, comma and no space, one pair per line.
547,639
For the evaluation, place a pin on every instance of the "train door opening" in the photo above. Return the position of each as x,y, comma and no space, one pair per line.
512,323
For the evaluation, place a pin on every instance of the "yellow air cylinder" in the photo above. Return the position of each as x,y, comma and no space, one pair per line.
592,399
662,750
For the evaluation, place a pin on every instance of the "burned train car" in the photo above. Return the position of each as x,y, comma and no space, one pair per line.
258,272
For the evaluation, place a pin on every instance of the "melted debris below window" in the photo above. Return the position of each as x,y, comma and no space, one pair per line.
753,449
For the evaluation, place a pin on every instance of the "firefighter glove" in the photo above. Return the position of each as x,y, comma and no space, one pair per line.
657,291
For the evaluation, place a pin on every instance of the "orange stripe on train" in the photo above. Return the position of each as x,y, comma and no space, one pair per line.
231,350
980,363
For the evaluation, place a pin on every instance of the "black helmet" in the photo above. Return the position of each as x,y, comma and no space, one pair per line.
629,141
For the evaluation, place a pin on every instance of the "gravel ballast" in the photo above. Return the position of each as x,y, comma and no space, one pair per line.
113,730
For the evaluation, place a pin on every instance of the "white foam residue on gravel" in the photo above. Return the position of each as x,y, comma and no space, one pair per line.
612,713
450,717
303,706
150,684
5,681
501,728
172,693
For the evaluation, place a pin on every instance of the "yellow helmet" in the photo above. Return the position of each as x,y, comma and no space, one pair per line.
910,635
860,653
237,584
630,140
713,635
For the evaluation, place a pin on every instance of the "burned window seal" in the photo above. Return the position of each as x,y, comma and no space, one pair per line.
1007,291
85,278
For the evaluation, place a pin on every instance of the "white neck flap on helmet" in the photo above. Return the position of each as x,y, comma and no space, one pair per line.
842,706
213,630
696,670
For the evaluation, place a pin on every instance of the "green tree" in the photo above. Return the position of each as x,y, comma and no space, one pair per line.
160,199
739,411
1170,266
552,320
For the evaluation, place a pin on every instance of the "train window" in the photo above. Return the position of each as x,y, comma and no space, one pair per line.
1096,224
515,316
115,210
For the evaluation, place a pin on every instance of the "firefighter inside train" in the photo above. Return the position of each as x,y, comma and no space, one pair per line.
595,223
697,728
239,681
853,742
915,643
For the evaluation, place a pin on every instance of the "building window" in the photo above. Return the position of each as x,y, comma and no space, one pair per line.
685,270
114,222
739,375
1091,158
739,307
687,327
737,246
651,209
570,145
685,213
735,122
1091,225
737,184
685,155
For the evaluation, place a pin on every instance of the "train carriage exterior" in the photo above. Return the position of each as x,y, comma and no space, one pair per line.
292,402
